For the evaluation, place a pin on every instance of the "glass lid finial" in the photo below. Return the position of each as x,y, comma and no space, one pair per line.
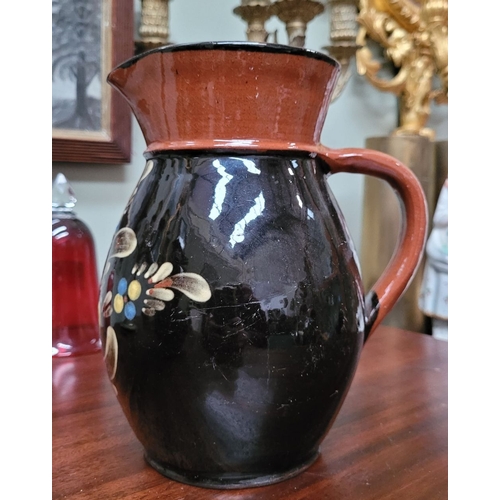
63,196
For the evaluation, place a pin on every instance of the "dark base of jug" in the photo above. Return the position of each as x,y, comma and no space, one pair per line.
228,480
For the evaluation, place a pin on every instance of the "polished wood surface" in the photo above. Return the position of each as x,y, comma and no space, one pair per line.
389,441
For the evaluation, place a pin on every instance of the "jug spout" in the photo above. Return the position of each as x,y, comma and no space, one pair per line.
192,96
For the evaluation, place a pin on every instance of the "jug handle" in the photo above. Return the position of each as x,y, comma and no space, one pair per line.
398,274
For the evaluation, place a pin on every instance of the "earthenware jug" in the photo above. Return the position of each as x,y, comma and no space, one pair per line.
232,309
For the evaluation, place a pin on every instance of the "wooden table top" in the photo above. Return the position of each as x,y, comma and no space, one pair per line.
389,441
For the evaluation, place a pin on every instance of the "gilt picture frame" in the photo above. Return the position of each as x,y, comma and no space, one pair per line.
91,122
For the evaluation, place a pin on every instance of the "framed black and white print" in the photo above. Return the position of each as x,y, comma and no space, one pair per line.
91,122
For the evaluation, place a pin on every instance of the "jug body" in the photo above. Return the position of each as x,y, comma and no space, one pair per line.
235,377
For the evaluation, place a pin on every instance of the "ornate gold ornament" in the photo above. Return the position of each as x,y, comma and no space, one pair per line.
255,13
414,36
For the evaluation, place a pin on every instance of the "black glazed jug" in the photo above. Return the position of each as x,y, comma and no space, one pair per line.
232,309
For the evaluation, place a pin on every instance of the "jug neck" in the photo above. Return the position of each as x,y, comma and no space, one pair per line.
242,94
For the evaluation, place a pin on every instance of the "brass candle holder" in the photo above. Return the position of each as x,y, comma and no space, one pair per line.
154,25
255,13
296,14
343,35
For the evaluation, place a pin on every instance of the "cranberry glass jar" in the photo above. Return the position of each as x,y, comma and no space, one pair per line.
74,278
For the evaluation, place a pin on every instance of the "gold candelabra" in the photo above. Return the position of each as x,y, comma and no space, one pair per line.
414,36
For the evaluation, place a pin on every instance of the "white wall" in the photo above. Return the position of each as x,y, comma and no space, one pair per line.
360,112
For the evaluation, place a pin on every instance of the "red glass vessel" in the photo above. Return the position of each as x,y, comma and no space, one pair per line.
75,325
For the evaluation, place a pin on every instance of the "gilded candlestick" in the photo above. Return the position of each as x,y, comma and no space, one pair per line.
255,13
343,33
154,26
296,14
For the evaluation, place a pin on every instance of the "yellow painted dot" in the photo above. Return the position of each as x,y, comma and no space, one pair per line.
134,290
118,303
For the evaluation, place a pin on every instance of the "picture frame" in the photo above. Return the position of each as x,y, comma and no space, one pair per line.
91,122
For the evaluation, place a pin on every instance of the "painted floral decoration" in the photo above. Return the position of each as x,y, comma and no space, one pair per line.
158,285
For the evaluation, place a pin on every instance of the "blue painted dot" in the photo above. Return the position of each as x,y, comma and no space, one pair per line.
130,310
122,286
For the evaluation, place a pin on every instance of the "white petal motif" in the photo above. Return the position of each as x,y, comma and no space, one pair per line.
111,352
160,293
107,298
157,305
163,272
192,285
107,310
100,319
147,170
124,243
141,269
152,269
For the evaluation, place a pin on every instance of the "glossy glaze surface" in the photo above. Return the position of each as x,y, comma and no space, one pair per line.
244,384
